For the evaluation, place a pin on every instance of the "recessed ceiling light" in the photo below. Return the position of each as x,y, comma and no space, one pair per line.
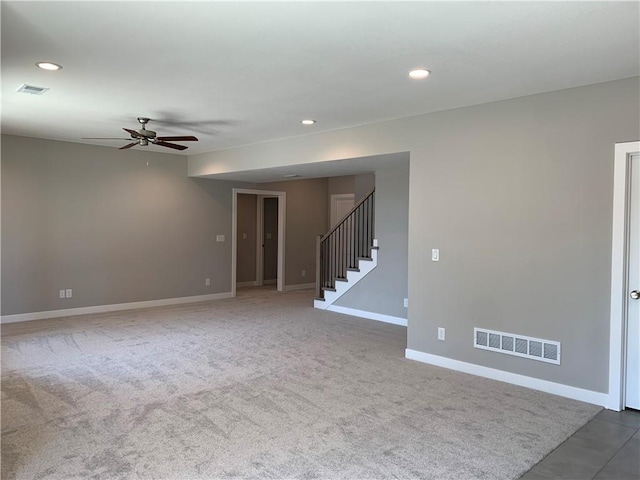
49,66
291,175
419,73
308,122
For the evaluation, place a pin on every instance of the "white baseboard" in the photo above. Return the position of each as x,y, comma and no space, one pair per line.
251,283
300,286
370,315
568,391
67,312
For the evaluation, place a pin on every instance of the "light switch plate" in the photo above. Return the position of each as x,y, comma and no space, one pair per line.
435,255
219,238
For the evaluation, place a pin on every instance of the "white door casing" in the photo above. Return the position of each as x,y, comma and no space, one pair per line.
623,342
341,204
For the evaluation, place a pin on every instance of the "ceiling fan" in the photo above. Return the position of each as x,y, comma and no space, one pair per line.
144,137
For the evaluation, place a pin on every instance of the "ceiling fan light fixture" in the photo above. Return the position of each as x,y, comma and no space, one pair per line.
50,66
307,121
419,73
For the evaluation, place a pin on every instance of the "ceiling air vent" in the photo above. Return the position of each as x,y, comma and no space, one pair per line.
518,345
33,90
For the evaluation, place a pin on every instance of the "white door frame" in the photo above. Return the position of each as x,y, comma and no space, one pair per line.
619,257
282,199
334,199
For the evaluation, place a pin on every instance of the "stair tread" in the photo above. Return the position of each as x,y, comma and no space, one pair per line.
328,289
319,299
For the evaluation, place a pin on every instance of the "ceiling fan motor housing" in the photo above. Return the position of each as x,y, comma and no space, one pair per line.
143,131
147,133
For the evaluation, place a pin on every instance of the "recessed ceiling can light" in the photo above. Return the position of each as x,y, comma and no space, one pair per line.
291,175
308,122
49,66
419,73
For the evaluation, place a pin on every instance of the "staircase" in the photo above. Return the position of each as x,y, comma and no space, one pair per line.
346,254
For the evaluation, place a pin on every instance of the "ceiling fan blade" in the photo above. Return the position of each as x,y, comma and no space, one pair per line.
171,145
132,144
189,138
103,138
133,133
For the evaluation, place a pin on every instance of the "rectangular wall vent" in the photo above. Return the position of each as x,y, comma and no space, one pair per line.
33,90
519,345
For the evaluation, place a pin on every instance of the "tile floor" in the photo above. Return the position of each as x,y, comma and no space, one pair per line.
608,447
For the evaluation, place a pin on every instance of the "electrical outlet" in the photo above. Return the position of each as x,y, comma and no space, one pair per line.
441,332
406,303
62,294
304,273
207,282
69,293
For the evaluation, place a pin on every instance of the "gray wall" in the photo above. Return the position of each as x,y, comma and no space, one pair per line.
337,185
306,217
384,289
246,247
517,195
362,184
103,223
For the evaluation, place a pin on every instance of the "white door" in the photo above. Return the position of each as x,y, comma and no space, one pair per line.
341,204
633,313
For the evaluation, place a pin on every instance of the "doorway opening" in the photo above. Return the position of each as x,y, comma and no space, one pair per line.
624,349
267,240
275,207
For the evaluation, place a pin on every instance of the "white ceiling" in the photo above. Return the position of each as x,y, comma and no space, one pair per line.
235,73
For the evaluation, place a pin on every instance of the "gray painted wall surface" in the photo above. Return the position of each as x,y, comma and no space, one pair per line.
384,289
362,184
517,195
306,217
246,247
337,185
101,222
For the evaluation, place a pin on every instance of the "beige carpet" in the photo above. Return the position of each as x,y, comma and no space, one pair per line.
262,386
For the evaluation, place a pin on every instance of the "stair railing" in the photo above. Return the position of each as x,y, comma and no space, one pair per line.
339,250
